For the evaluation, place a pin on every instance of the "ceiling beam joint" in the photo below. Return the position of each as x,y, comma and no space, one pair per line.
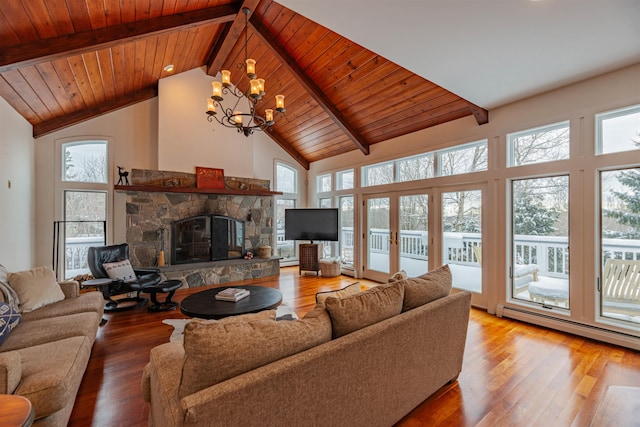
308,84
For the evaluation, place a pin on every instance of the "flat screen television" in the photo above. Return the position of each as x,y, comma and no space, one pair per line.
311,224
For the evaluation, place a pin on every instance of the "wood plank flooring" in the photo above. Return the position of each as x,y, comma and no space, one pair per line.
514,374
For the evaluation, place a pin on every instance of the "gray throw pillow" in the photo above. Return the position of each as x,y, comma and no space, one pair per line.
426,288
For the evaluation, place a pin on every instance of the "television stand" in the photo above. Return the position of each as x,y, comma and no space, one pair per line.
309,257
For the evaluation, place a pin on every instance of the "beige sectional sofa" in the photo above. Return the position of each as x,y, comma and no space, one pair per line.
45,356
370,369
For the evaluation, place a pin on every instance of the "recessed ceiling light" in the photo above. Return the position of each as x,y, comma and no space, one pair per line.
168,68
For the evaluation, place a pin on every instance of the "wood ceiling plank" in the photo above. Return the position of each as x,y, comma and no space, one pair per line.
129,67
37,82
97,14
41,19
94,76
38,51
224,47
310,86
60,17
112,12
105,63
148,78
140,48
127,11
161,49
168,7
286,146
194,42
76,63
26,92
17,19
79,16
63,69
56,87
143,11
76,117
172,41
16,101
119,69
8,37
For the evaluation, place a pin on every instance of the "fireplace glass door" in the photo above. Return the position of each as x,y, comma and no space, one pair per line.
192,240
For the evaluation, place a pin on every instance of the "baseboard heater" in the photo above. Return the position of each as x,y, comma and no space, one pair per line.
565,325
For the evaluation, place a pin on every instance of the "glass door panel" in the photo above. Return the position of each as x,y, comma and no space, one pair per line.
620,243
379,239
462,238
286,248
346,205
413,238
539,269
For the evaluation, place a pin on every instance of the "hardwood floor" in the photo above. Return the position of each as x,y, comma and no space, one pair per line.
514,374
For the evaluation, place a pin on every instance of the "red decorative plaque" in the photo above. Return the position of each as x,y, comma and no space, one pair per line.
209,177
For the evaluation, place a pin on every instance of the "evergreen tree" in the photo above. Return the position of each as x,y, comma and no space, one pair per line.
629,215
531,217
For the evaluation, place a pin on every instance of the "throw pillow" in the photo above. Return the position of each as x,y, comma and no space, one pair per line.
120,270
366,308
351,289
226,349
426,288
35,288
9,319
7,294
400,275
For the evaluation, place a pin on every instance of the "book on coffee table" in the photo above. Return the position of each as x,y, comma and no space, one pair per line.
232,294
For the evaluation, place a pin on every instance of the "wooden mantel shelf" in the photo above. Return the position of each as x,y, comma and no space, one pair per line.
154,189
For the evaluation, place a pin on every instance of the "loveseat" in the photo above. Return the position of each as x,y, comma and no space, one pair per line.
45,355
360,368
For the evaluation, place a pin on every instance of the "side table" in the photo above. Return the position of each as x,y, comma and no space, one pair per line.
101,285
15,411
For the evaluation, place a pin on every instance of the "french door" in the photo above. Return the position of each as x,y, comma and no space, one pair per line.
396,235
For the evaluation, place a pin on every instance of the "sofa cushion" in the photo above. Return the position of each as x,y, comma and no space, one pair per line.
7,294
35,288
52,372
351,289
36,332
217,351
9,319
120,270
426,288
87,302
365,308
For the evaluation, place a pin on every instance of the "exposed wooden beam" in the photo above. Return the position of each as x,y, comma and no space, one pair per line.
92,112
309,85
229,37
481,115
287,147
32,53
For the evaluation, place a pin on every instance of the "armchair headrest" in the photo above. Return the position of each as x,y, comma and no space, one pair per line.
98,255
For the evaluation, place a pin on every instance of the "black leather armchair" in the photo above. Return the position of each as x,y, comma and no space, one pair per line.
146,278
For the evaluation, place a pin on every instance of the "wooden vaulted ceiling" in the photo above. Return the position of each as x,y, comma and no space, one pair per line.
65,61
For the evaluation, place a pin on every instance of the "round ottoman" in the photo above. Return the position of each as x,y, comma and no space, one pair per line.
330,267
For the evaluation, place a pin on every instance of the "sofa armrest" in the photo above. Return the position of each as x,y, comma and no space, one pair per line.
10,371
70,288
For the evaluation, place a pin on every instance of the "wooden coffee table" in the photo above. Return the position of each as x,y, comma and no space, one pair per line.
204,305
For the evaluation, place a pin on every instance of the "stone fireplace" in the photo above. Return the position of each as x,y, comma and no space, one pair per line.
149,212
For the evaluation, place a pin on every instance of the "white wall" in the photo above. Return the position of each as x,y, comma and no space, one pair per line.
17,195
132,134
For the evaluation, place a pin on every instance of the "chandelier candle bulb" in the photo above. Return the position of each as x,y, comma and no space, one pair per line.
268,116
216,90
255,88
211,106
237,118
261,86
251,68
280,103
226,78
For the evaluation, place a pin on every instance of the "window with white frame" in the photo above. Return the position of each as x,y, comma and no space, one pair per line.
618,130
345,180
416,167
463,159
85,191
539,145
323,183
378,174
287,183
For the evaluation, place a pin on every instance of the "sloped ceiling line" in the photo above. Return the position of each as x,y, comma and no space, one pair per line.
36,52
309,85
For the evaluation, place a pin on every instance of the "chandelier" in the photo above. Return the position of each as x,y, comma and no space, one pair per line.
234,117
